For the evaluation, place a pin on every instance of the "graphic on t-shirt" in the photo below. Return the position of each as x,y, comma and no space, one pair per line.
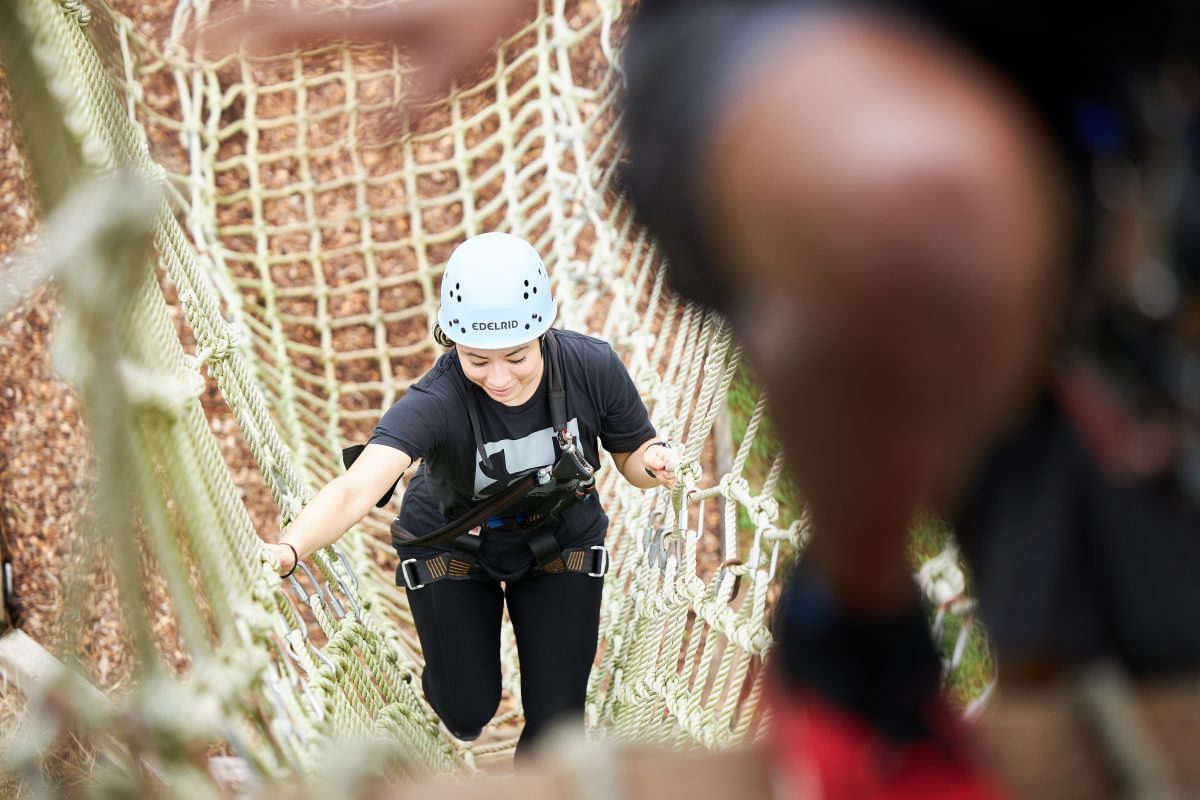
510,456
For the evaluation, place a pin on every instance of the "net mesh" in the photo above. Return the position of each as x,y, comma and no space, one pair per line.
304,233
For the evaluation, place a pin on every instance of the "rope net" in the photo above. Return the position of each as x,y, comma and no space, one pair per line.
304,233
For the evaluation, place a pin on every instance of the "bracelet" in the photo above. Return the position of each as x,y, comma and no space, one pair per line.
661,442
295,563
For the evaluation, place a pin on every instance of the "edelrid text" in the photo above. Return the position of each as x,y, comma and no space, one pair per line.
494,326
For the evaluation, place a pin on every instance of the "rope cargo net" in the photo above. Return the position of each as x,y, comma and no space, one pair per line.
304,235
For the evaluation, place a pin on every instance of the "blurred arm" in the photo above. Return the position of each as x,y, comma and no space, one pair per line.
445,39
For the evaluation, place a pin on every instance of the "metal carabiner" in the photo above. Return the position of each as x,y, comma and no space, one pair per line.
347,592
737,579
675,544
774,561
303,631
338,609
300,591
755,555
652,546
286,655
345,563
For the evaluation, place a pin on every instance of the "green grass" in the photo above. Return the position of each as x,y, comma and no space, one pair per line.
977,667
929,537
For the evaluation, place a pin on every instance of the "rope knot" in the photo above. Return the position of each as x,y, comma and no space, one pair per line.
219,348
941,578
764,510
76,8
156,392
690,472
736,487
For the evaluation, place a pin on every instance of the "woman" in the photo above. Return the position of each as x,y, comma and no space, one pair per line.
504,490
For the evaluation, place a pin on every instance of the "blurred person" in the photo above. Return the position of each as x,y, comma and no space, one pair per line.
959,242
502,511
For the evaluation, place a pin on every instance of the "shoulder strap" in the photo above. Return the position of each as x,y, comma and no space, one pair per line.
476,428
557,394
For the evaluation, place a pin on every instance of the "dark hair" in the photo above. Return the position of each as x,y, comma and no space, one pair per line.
440,336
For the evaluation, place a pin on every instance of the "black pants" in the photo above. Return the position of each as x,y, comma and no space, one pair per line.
556,619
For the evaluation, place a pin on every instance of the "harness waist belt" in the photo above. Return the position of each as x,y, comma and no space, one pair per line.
416,573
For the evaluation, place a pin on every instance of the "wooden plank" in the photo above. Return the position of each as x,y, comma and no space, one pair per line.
32,669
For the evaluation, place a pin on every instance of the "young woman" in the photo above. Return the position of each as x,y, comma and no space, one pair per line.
508,425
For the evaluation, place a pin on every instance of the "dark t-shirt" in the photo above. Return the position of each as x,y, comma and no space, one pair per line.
430,422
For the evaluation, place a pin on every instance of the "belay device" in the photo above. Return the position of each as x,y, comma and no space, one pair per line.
530,500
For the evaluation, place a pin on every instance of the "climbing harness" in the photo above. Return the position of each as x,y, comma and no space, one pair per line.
417,573
529,500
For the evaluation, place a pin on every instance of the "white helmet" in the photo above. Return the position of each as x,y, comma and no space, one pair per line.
495,293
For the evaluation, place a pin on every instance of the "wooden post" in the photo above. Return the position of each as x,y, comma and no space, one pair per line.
30,668
6,583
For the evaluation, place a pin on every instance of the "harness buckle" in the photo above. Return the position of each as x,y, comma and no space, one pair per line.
585,490
409,582
566,443
603,562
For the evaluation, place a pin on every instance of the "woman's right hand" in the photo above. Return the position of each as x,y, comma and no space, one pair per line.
284,555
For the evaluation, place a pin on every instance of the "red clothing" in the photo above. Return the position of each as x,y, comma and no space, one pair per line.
820,751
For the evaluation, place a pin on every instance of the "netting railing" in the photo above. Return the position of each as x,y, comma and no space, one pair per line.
305,239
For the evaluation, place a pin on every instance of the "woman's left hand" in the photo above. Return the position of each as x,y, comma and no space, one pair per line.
661,461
